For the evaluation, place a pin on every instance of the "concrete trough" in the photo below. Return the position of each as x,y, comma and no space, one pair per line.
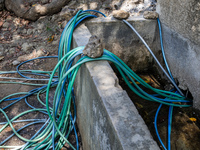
106,117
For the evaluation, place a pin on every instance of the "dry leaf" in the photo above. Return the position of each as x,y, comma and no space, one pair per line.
193,119
50,39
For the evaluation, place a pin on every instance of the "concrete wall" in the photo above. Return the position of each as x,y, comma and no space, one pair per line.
181,35
106,117
123,42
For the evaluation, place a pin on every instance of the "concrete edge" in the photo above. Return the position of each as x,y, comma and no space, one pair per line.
114,114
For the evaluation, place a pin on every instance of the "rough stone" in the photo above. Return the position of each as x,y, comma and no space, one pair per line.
12,50
120,14
6,25
24,31
94,48
150,15
29,31
26,46
16,62
34,12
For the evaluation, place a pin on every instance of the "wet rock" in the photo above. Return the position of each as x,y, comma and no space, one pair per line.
150,15
120,14
1,49
16,62
94,48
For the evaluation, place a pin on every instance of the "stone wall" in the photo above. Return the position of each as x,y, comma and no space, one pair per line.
181,36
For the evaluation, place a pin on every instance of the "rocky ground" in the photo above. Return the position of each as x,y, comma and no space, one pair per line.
19,36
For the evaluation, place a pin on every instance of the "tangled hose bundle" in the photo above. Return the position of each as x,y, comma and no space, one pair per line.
55,130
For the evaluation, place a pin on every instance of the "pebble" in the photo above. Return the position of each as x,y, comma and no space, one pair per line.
16,37
26,46
12,50
29,31
120,14
6,25
15,62
24,31
40,26
150,15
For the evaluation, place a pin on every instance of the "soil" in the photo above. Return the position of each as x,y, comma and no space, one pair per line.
185,133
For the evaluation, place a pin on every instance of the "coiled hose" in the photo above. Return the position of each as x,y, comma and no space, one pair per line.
55,130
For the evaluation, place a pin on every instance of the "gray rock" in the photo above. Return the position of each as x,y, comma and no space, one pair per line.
94,48
15,62
16,37
120,14
1,48
40,26
29,31
64,23
24,31
150,15
26,46
6,25
12,50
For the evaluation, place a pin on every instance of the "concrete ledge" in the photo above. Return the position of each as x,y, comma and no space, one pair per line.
107,119
123,42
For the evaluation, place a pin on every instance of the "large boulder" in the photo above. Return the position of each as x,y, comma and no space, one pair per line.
33,9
